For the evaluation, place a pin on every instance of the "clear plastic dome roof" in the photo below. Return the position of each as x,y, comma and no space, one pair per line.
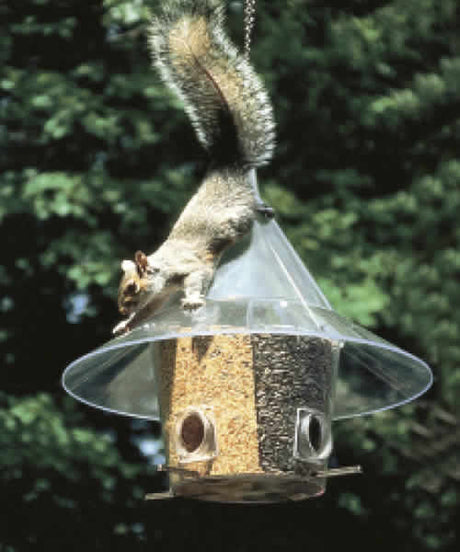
261,286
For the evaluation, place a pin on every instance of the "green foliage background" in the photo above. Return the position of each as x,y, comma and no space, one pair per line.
97,159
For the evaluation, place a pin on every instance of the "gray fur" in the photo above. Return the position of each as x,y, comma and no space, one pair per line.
233,119
252,117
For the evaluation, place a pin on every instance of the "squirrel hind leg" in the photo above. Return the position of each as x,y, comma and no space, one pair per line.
265,210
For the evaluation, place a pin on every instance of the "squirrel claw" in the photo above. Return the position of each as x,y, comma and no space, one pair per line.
265,211
192,303
121,328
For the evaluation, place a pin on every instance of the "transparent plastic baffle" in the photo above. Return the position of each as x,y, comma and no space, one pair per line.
246,387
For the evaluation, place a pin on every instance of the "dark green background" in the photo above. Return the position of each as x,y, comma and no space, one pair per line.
97,160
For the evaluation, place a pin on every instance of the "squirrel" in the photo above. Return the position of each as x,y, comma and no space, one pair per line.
233,119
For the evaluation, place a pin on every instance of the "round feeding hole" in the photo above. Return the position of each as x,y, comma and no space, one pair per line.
192,432
315,433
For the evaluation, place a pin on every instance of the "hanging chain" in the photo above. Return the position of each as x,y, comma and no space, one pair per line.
249,20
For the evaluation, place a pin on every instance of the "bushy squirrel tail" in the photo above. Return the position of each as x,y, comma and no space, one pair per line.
224,98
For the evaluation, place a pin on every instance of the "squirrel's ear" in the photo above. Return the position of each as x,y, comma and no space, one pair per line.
128,266
141,260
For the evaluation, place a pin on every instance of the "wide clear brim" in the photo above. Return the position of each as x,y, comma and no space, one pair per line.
373,374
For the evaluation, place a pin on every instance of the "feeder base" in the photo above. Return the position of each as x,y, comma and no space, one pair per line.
250,488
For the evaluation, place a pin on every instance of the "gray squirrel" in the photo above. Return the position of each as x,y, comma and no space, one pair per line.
233,119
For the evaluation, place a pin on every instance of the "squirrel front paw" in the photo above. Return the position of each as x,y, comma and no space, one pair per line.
192,303
121,328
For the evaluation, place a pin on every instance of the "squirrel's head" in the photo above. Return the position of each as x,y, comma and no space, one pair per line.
140,283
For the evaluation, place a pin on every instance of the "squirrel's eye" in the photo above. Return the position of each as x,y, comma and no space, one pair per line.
131,288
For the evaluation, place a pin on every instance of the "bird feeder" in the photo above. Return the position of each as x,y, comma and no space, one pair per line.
246,387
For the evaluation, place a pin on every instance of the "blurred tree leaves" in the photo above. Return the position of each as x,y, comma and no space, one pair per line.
61,482
96,161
